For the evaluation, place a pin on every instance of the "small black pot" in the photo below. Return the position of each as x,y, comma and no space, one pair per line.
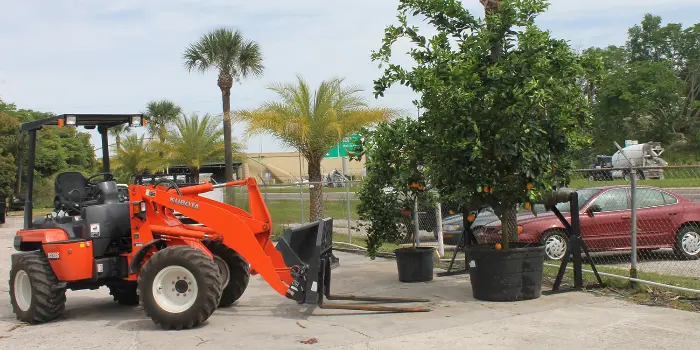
506,275
415,264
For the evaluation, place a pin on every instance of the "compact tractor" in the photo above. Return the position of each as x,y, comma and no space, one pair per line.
143,253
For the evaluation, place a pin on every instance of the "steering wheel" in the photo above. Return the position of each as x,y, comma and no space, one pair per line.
105,176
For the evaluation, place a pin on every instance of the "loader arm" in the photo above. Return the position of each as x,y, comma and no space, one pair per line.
246,233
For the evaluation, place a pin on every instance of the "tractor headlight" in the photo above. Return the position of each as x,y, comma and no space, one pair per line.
71,120
136,121
451,228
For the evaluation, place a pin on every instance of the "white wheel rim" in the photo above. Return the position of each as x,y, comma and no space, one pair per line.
555,247
223,270
174,289
691,243
23,290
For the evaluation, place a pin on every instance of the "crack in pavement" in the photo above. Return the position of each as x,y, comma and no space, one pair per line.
350,329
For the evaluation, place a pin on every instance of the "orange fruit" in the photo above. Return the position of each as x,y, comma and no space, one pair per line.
452,212
527,205
498,246
529,187
471,217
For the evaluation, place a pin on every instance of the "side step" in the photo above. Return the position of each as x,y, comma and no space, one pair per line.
308,250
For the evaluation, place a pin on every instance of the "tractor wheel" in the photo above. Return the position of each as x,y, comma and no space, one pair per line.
125,294
179,287
36,293
235,272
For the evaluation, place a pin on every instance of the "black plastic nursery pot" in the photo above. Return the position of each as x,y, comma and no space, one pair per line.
508,274
415,264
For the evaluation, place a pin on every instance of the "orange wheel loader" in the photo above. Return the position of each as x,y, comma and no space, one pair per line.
180,273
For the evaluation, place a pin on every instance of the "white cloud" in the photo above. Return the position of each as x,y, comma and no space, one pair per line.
95,56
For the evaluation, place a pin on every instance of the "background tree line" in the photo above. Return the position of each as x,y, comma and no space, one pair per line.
646,90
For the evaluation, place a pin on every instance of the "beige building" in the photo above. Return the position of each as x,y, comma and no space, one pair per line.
289,167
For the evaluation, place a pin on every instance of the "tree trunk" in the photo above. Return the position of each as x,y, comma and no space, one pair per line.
195,174
509,225
315,192
492,6
225,83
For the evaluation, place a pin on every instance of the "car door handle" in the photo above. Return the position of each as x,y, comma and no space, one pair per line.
625,217
672,214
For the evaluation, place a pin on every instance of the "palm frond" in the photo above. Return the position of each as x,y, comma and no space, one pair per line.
313,121
227,51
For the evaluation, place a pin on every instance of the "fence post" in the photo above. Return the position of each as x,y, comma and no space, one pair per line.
633,203
416,223
438,227
347,198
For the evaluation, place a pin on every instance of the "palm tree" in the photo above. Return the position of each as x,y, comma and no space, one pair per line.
313,122
136,155
234,58
196,141
118,131
160,114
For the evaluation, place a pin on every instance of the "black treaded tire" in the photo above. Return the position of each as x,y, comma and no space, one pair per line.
125,294
239,270
48,297
206,274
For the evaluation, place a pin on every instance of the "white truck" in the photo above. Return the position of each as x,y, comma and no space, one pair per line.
640,155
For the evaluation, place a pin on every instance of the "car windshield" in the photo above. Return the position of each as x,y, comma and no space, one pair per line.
583,196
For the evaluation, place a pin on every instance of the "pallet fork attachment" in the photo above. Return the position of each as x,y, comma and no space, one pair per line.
310,248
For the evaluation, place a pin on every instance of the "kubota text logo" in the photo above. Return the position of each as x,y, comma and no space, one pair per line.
184,203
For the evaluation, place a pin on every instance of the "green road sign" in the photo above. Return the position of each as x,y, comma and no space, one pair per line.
339,150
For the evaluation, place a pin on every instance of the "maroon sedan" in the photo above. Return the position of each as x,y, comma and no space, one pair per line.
664,220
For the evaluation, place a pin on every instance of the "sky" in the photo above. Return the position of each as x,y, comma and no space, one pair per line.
86,56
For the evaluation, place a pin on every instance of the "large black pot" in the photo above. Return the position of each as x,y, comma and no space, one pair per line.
506,275
415,264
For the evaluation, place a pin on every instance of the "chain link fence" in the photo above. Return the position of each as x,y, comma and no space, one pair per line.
642,223
289,206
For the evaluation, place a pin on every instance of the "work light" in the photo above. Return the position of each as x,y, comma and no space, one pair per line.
71,120
136,121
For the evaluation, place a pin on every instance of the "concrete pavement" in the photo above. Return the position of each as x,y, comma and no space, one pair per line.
265,320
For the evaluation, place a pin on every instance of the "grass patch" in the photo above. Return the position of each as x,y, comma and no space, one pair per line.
35,213
305,189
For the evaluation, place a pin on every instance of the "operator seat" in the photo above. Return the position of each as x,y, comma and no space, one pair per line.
71,192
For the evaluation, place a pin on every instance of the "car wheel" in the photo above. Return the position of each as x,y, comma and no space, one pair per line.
688,242
555,244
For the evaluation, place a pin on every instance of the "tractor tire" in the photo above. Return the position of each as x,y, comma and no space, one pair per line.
166,280
125,294
235,272
36,294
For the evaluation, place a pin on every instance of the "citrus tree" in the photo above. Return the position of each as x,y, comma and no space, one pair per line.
395,180
503,106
